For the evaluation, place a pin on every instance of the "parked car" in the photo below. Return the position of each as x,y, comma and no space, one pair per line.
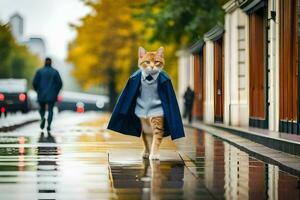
75,101
81,102
13,95
32,98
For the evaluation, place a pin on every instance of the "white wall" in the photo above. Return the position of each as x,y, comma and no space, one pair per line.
236,111
192,71
273,36
184,73
209,83
227,64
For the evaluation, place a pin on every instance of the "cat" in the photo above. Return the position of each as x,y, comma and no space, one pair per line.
148,106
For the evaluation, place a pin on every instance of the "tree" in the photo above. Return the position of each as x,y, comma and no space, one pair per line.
6,47
105,50
16,60
181,22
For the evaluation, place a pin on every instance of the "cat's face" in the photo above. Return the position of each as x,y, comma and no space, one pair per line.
151,62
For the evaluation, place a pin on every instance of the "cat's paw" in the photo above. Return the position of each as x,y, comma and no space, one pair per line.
154,157
145,154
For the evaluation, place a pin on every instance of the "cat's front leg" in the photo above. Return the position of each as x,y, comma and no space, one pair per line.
146,137
154,155
158,132
146,142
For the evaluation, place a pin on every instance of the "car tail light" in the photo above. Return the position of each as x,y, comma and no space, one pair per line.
2,97
80,107
3,110
22,97
80,110
59,98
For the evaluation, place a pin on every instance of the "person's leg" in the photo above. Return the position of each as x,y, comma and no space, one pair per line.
42,114
50,114
190,116
190,113
184,110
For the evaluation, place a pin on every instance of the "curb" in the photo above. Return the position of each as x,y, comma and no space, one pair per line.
280,144
15,126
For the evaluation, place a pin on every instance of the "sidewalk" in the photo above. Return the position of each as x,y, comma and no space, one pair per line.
288,143
13,121
268,148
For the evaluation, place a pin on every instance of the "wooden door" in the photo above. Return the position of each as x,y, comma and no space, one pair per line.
218,80
199,85
288,61
257,76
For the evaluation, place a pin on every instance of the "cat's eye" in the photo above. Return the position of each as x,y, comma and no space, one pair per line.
157,62
147,62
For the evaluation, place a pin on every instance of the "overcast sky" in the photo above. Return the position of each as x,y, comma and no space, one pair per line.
47,19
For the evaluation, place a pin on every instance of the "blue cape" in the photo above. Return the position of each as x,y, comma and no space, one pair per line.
125,121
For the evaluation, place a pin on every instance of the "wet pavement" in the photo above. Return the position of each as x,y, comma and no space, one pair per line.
82,160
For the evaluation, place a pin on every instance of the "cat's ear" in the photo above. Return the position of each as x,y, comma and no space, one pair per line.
142,52
160,52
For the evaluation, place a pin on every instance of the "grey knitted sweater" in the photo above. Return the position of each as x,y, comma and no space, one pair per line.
148,103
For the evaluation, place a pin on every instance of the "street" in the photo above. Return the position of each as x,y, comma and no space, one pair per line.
72,163
80,159
219,77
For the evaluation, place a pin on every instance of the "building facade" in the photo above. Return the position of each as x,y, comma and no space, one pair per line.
36,45
246,71
17,26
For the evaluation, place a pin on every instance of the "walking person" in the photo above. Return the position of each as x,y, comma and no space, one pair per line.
47,83
188,103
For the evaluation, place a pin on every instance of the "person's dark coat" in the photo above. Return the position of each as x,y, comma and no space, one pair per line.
125,121
47,83
189,97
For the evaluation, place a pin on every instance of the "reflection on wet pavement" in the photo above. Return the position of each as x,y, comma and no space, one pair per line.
35,165
87,162
47,168
229,173
156,180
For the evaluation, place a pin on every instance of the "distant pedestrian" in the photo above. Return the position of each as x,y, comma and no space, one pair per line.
188,103
47,83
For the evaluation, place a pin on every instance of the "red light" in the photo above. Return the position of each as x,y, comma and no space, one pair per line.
22,97
3,110
80,109
59,98
2,97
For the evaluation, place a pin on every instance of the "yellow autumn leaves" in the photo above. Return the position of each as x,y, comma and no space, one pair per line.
105,49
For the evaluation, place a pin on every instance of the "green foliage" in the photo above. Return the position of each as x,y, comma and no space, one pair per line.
6,46
181,22
16,60
105,49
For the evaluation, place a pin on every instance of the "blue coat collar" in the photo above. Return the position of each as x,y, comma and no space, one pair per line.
161,78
